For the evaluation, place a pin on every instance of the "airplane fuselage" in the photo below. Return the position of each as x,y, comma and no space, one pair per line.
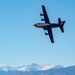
47,25
54,25
43,25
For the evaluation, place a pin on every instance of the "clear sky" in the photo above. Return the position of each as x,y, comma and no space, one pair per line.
23,44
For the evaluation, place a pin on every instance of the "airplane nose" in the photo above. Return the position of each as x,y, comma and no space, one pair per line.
34,25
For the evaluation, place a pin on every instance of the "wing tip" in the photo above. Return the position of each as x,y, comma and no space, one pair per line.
43,6
52,41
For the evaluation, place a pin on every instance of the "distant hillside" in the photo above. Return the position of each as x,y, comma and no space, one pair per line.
61,71
52,71
32,67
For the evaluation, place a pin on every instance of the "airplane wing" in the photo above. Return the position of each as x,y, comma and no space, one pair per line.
46,19
50,33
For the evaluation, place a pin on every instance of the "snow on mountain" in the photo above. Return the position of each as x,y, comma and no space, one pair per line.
6,68
46,67
32,67
57,66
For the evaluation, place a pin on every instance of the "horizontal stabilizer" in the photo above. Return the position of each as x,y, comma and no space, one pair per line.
61,28
59,20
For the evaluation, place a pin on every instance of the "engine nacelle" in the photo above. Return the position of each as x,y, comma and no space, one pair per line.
46,33
42,19
41,14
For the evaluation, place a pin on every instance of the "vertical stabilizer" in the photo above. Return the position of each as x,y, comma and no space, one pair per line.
61,24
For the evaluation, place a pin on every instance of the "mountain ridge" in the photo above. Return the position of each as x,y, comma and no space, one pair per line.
32,67
61,71
53,71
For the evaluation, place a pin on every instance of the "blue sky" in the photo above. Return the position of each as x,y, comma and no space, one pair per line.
23,44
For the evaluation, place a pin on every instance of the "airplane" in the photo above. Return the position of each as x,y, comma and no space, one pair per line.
48,26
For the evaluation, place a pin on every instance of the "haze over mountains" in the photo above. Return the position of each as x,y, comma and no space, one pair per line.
35,69
32,67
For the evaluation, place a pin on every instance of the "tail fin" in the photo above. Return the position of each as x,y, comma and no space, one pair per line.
61,24
62,29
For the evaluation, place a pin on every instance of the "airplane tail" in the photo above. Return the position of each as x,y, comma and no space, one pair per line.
61,24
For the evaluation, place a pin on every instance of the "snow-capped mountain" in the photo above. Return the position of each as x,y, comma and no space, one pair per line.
36,67
61,71
32,67
53,71
6,68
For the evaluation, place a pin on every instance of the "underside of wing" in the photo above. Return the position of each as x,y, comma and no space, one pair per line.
50,33
46,19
